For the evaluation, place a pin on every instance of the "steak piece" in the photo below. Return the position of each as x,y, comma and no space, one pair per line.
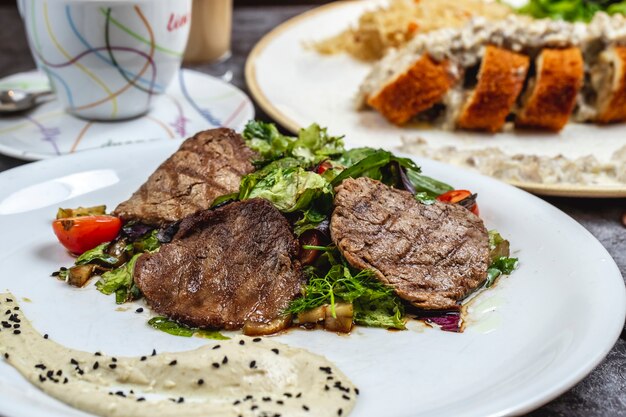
224,268
432,255
206,166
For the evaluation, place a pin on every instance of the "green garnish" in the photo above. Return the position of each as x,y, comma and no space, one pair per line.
97,254
572,10
120,281
174,328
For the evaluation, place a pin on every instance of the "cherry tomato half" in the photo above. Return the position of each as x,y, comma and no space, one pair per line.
455,196
79,234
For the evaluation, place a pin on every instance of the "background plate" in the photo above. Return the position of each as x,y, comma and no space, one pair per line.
529,339
296,86
193,102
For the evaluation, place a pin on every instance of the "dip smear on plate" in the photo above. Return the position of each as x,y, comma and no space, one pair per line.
239,377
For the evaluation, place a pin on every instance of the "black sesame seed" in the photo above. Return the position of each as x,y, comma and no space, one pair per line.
216,365
357,391
237,402
345,397
174,362
216,347
180,400
266,399
329,378
7,312
339,412
6,355
42,378
281,402
63,268
326,369
256,339
45,336
143,358
254,407
139,310
65,380
114,359
40,366
200,381
80,371
241,342
59,372
288,395
6,324
276,351
9,300
98,354
50,374
112,366
248,397
120,394
96,365
140,399
16,332
299,395
131,391
326,388
16,308
252,364
225,360
55,274
153,352
305,408
73,361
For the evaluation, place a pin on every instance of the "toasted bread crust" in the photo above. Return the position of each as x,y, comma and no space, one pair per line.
417,89
613,108
560,75
500,81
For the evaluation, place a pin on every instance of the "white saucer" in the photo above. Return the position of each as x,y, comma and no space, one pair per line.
193,102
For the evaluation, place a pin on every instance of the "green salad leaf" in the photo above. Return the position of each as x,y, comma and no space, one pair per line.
374,304
312,144
290,190
97,254
148,243
120,281
571,10
174,328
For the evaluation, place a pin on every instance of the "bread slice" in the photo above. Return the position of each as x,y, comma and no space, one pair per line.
609,80
551,95
418,88
500,81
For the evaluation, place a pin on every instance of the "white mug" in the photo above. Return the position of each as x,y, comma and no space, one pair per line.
107,59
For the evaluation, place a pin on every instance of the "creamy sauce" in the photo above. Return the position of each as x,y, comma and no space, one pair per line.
543,169
242,376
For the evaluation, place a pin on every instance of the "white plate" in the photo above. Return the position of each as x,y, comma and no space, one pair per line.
529,339
193,102
297,86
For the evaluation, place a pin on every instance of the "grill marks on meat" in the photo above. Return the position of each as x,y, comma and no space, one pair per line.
224,267
432,255
206,166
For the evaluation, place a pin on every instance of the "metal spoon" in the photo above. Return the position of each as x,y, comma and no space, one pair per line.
17,100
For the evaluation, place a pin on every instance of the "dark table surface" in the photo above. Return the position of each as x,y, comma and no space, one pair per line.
602,393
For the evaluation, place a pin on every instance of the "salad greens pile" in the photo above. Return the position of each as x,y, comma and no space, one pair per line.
572,10
298,175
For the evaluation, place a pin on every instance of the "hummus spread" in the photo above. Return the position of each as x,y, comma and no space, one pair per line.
243,376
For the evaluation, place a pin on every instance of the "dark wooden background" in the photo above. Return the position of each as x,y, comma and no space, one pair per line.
602,393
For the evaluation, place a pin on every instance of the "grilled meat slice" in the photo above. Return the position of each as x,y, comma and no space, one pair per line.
432,255
225,268
208,165
551,95
500,81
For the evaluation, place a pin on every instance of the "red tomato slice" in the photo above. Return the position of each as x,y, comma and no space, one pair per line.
79,234
455,196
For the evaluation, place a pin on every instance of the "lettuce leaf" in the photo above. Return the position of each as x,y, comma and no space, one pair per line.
120,282
97,254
